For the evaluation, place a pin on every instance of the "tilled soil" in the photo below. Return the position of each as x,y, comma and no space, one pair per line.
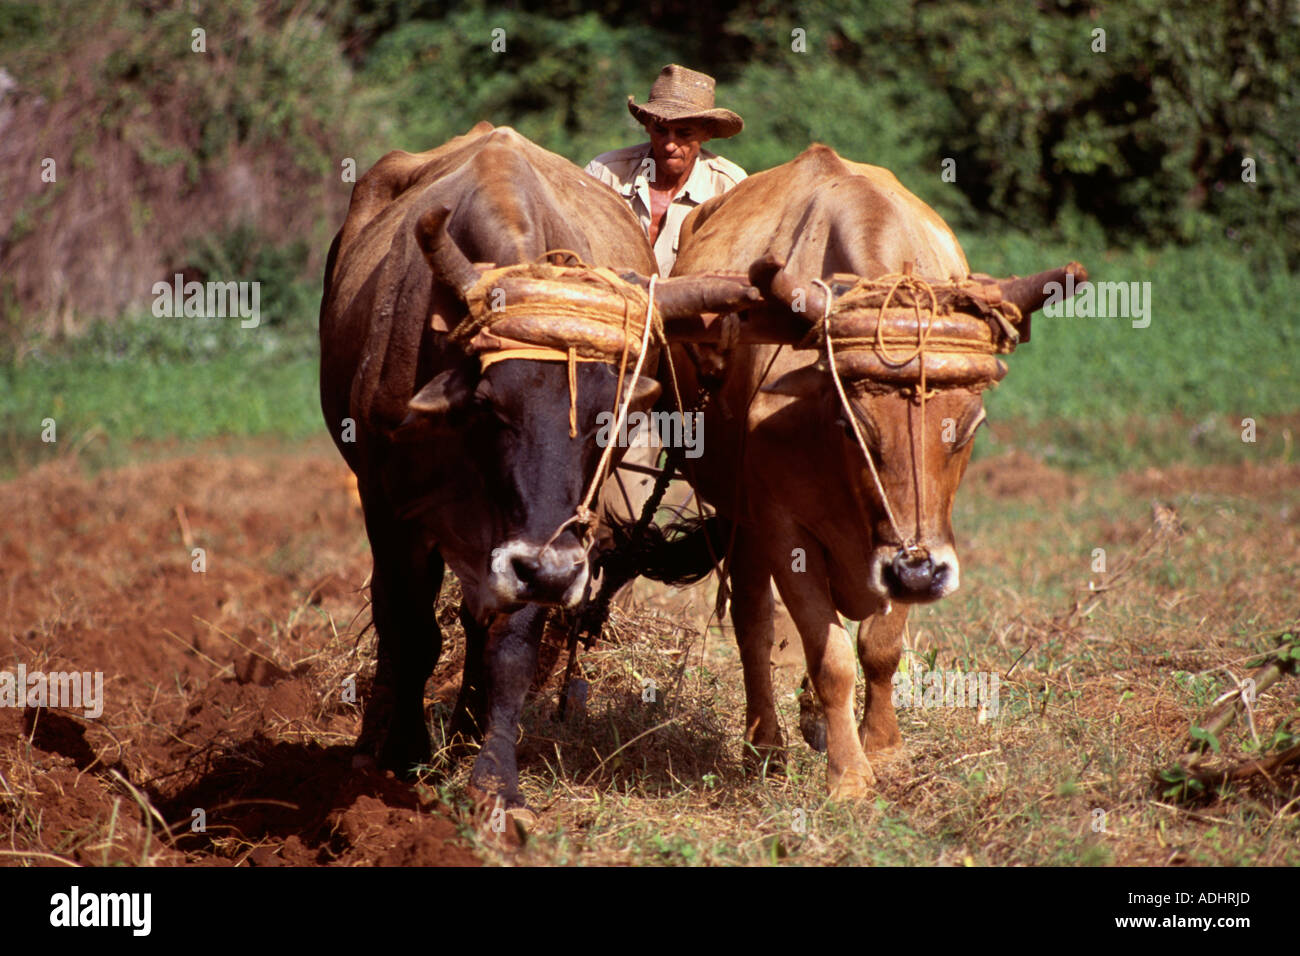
226,736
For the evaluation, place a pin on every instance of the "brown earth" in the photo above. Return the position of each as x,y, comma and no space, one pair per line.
223,688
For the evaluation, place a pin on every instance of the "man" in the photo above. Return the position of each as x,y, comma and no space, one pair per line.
662,181
666,178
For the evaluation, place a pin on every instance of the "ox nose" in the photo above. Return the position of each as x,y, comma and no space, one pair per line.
915,571
544,572
552,575
919,574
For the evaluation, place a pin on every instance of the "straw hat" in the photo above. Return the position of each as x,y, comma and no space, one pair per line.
678,95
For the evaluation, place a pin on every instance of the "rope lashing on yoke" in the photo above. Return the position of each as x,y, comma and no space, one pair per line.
939,338
583,515
969,325
589,620
543,312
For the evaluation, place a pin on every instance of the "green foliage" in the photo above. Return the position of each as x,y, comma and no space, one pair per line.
1182,786
869,122
1141,143
288,303
1147,138
1282,739
1289,651
561,83
22,20
1202,688
270,74
858,88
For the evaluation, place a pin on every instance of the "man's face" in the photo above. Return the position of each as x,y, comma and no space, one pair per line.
675,146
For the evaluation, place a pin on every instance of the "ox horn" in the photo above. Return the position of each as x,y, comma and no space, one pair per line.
692,305
441,252
769,275
1030,292
683,297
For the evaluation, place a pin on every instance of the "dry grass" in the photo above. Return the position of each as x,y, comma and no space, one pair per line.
1101,687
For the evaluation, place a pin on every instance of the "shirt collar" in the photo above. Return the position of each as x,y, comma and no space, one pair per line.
697,183
640,185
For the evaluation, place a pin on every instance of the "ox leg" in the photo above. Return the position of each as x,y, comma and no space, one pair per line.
828,651
512,642
880,647
403,590
471,703
752,609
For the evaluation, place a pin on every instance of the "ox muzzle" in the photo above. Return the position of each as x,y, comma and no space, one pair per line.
914,577
523,572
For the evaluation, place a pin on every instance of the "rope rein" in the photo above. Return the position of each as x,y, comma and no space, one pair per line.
623,402
909,544
973,326
963,352
589,621
553,313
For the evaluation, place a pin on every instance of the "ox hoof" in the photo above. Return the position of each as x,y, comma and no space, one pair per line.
511,830
506,820
487,800
814,733
402,754
854,785
519,823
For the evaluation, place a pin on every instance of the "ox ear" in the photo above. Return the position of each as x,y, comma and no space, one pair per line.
445,392
800,383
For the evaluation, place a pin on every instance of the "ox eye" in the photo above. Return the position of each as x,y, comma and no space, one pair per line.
485,404
971,426
499,416
488,411
869,434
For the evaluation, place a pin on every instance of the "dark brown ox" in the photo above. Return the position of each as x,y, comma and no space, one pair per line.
782,467
459,463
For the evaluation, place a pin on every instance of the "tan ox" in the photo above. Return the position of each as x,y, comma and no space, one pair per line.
782,466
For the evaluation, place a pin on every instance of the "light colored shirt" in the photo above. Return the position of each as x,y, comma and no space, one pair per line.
628,171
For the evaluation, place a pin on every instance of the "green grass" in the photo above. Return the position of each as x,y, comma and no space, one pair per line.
144,379
1223,338
1111,447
